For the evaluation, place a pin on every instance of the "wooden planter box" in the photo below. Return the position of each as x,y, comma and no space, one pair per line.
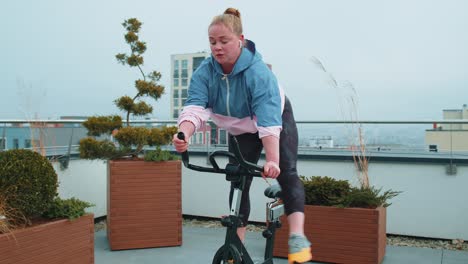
144,205
340,235
56,242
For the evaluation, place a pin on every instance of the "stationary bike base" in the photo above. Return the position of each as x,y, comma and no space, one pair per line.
233,256
233,250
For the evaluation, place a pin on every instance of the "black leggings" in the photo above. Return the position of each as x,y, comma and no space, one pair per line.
292,188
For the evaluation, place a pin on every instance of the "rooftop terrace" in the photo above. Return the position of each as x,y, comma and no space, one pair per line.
200,243
432,204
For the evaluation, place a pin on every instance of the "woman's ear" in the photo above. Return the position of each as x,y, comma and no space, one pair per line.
241,41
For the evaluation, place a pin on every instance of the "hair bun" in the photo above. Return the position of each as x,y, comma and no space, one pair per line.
232,11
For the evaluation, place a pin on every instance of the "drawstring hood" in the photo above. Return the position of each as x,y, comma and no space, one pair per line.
225,77
250,92
248,57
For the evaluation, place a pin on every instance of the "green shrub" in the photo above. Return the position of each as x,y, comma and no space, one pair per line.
28,181
98,125
133,136
66,208
327,191
161,136
370,197
9,217
91,148
159,155
324,190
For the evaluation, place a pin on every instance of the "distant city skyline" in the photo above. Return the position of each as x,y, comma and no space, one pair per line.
405,60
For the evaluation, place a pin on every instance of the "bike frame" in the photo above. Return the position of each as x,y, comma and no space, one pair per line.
237,172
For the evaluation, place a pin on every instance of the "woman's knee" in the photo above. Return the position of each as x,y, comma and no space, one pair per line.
292,193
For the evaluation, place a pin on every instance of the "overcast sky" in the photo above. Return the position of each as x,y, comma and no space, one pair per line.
406,59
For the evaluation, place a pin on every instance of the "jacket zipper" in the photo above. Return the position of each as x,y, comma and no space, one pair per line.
225,77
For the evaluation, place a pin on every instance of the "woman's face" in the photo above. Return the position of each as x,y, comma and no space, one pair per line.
224,44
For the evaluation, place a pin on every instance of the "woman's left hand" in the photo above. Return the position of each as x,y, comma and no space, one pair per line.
271,170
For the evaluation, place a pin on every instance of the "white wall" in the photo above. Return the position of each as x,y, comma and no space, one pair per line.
85,180
433,204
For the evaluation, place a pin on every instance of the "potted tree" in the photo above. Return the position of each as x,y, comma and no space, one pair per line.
37,226
144,205
345,224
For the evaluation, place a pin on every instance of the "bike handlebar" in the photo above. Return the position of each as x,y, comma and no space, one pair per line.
249,169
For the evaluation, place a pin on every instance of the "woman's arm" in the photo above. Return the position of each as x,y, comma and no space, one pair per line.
195,112
271,145
188,128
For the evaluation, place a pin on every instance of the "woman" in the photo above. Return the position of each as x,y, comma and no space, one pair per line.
240,93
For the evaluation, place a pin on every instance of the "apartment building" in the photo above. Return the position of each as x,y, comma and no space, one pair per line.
182,68
449,137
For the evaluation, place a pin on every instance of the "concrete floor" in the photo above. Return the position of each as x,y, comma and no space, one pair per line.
200,244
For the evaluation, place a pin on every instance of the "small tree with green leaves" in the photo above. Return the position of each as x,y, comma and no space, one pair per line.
131,139
148,86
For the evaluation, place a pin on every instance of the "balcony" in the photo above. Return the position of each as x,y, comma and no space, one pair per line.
433,203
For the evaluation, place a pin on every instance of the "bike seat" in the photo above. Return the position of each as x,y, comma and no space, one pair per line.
273,191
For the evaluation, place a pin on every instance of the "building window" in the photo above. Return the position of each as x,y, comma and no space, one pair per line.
213,135
176,113
207,137
176,69
16,143
184,74
222,137
28,143
176,82
2,143
197,61
176,102
184,93
175,93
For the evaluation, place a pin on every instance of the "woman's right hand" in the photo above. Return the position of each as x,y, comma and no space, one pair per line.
180,144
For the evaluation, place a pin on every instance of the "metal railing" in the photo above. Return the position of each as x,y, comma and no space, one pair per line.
307,129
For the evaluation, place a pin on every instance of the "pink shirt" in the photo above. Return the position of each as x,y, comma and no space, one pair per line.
198,115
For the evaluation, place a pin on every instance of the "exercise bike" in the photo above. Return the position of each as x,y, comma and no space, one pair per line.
233,250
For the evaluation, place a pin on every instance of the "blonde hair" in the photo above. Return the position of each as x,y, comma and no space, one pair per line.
231,18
